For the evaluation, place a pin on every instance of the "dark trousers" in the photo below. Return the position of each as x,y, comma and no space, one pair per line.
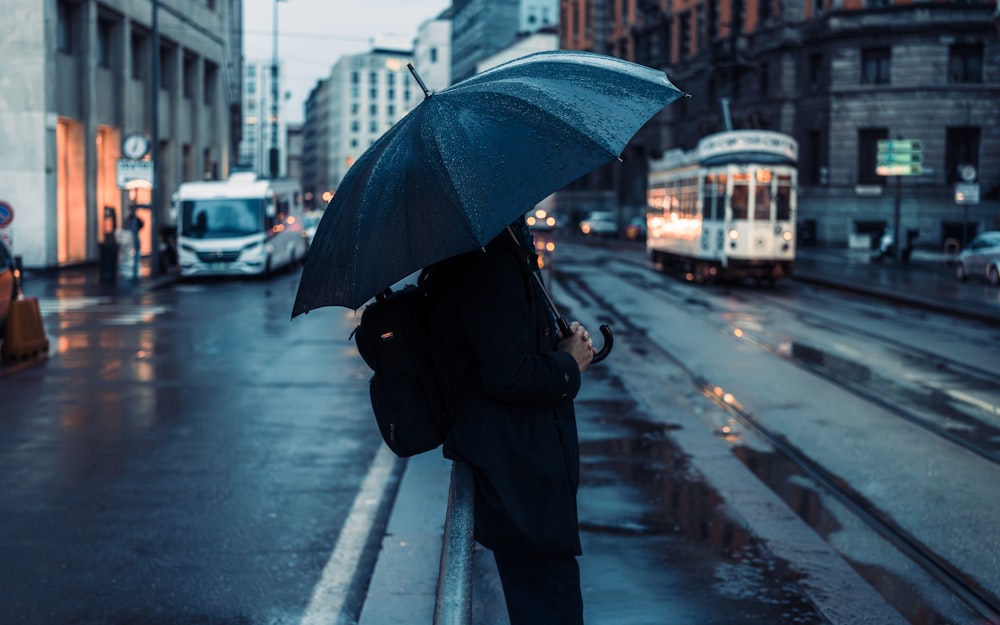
540,589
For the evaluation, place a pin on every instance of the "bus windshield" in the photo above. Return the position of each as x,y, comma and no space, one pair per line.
221,218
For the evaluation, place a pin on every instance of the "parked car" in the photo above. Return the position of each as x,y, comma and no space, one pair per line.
600,224
310,220
8,285
980,258
636,229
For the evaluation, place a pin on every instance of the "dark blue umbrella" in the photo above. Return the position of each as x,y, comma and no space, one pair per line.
467,161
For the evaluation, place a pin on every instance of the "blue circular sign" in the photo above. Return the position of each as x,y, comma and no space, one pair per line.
6,214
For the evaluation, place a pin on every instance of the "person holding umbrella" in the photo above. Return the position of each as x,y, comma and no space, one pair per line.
440,189
510,378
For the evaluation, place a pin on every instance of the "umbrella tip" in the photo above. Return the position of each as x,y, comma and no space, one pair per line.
420,82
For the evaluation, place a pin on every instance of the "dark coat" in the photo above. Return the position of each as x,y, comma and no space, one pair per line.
511,395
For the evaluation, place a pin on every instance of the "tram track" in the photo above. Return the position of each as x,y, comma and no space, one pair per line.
938,567
974,434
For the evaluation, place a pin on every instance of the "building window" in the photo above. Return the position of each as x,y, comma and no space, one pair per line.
965,63
211,80
868,139
191,75
739,15
811,158
434,55
875,66
816,77
166,68
765,80
373,93
390,110
105,39
140,43
64,28
355,78
685,35
819,6
355,126
961,148
764,10
373,110
699,31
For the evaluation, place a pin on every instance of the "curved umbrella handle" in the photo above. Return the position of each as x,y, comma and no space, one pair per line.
609,342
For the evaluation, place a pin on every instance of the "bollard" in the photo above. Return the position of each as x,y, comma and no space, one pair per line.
25,334
453,605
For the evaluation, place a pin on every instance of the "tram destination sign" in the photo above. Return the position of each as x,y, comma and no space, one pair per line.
899,157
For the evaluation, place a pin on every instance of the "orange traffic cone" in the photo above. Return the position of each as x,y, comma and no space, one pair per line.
25,335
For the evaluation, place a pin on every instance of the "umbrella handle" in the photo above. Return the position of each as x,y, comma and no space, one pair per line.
609,339
609,342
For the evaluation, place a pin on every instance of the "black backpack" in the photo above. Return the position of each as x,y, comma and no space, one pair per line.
394,338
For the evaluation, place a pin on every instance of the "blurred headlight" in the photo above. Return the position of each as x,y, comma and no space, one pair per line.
734,234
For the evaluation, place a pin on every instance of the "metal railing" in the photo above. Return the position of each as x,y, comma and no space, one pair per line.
453,604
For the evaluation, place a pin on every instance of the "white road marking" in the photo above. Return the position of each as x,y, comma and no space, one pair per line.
330,593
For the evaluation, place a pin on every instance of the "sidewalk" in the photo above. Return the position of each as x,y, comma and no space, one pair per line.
927,281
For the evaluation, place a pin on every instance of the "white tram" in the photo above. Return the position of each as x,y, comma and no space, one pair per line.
726,209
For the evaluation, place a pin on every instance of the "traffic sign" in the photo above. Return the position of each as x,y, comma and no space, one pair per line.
6,214
134,174
967,193
899,157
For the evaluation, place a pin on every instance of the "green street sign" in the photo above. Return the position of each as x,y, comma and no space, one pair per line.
900,145
899,157
899,169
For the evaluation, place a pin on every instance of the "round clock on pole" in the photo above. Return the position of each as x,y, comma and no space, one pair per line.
135,146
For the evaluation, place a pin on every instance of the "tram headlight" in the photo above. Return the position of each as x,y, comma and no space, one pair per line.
787,236
734,234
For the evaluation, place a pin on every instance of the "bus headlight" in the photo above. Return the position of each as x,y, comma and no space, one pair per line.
787,236
734,234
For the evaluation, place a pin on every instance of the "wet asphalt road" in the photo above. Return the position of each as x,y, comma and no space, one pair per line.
184,456
188,455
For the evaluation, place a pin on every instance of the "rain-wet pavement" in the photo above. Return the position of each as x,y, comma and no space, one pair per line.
659,542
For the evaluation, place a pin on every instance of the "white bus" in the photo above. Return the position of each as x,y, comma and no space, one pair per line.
241,226
726,209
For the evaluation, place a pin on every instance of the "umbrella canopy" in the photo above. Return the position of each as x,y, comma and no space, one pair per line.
470,159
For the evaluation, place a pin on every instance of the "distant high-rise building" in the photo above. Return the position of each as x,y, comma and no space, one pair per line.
432,52
257,123
480,28
363,97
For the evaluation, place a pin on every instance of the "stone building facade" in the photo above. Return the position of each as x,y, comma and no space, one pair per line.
78,79
838,75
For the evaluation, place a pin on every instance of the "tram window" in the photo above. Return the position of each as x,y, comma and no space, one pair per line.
783,202
707,197
720,198
739,200
762,202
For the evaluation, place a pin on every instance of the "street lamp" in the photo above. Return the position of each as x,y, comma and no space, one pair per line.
273,160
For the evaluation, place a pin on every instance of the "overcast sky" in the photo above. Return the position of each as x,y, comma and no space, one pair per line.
314,34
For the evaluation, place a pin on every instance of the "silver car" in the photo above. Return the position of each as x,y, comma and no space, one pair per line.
600,224
980,258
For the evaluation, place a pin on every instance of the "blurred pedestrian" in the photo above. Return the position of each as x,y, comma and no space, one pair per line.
509,381
133,224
